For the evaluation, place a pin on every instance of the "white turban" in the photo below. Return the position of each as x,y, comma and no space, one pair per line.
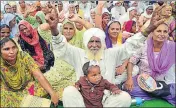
88,34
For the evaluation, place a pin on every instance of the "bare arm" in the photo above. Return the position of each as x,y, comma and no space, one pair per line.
129,70
76,18
45,84
98,15
129,81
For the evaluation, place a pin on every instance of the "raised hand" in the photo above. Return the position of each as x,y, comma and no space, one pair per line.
31,9
61,18
52,18
73,17
156,19
101,3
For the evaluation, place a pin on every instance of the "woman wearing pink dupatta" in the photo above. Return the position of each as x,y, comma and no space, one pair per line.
156,58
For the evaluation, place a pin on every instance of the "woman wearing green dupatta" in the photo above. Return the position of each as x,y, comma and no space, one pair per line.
63,74
20,76
43,29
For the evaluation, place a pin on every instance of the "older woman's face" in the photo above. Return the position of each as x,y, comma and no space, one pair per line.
9,51
114,30
149,11
24,30
94,44
168,11
160,33
5,32
71,9
8,9
14,8
38,20
68,31
92,14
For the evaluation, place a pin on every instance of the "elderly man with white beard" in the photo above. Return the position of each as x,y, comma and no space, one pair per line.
95,49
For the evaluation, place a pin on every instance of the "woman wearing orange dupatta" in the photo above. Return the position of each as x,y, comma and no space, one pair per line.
31,42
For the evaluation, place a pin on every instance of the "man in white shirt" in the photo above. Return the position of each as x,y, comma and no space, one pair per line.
95,49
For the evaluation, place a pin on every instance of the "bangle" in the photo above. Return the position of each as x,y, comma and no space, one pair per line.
97,13
145,33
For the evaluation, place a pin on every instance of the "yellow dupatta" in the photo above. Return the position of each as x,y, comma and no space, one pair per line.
17,76
119,39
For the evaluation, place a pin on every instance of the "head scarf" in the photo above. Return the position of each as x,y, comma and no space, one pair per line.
145,12
33,42
76,39
12,75
88,34
108,39
66,21
165,59
126,16
41,15
91,20
45,32
6,20
128,25
103,23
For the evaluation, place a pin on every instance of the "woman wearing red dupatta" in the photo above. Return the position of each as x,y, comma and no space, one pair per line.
31,42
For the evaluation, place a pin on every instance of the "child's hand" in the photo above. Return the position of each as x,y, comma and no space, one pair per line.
116,91
76,86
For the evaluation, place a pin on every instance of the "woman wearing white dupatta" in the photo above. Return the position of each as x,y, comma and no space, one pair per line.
129,15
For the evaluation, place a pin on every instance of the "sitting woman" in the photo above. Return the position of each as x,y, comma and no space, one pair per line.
5,31
18,74
63,74
156,58
32,42
129,29
114,39
10,20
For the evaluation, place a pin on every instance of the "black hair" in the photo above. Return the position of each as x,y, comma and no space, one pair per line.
4,26
85,68
4,40
115,22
